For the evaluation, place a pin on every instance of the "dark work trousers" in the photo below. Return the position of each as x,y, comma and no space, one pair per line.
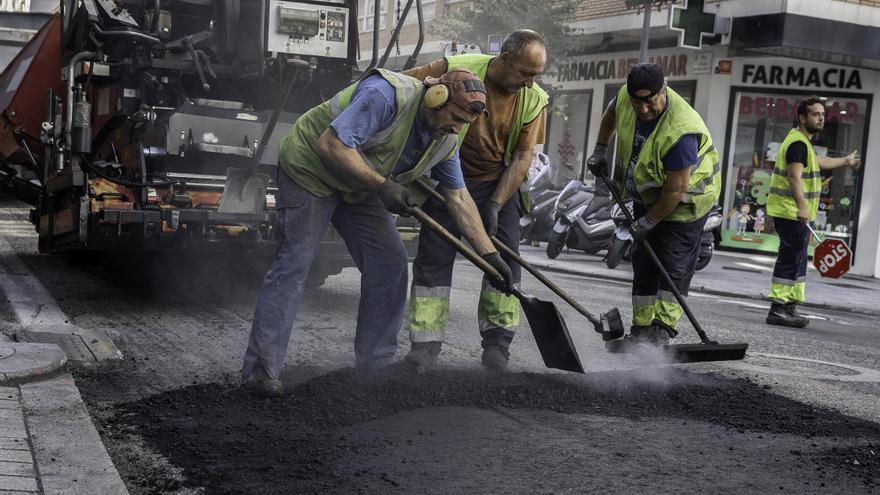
372,239
790,273
677,245
498,314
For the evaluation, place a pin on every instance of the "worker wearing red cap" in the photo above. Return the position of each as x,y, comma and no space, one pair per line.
347,162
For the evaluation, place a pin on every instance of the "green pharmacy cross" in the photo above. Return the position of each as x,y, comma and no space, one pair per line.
690,20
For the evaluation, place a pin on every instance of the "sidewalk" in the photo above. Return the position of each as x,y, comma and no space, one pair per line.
729,274
48,444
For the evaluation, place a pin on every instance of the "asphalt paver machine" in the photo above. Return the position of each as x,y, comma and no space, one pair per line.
121,119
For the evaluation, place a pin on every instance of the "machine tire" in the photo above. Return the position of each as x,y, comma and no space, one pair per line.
555,244
704,258
616,250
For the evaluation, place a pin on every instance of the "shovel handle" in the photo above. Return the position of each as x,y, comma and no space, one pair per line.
659,264
460,246
519,259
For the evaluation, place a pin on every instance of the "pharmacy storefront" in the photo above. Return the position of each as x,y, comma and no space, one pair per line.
581,89
764,94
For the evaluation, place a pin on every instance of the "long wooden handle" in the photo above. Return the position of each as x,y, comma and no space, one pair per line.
519,259
659,264
460,246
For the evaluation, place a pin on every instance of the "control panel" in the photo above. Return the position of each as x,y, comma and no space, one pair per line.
307,29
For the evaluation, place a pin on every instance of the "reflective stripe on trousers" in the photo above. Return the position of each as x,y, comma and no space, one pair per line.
677,245
790,272
498,314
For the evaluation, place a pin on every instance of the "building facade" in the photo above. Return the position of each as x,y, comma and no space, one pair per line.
745,82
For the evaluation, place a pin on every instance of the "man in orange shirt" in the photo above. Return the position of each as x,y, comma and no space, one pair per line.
496,152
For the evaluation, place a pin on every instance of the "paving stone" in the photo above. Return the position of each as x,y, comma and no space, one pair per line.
16,469
14,444
13,431
19,483
11,414
10,455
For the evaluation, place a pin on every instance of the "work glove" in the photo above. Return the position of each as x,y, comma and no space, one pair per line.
489,213
598,162
505,285
642,227
396,198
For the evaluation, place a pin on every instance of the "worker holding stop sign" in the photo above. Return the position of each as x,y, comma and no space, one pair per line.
795,188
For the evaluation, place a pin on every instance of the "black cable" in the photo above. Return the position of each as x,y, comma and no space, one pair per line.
92,168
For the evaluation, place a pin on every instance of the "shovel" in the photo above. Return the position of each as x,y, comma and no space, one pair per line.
548,327
609,325
709,350
245,189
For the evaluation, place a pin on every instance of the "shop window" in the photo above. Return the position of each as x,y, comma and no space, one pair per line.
567,132
760,120
685,89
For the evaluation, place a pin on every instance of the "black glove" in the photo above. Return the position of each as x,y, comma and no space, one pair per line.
489,213
396,198
505,285
597,162
642,227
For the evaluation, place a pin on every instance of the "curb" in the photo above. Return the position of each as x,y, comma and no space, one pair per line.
26,362
705,290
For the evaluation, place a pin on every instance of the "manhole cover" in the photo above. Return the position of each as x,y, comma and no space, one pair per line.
805,368
72,345
802,366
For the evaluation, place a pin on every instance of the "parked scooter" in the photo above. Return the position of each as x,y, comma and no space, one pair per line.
536,225
582,220
619,248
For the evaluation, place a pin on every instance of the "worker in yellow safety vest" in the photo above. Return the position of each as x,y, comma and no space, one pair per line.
496,153
667,164
793,202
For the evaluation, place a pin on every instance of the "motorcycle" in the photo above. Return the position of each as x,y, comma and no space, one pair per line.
582,220
620,247
536,225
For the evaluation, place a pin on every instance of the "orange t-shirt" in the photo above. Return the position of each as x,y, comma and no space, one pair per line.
482,152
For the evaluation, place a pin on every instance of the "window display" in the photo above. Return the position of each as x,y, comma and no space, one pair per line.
568,124
760,121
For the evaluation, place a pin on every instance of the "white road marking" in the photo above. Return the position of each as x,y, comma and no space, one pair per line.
32,303
746,304
35,307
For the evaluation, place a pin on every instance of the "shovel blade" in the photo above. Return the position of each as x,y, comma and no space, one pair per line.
244,191
697,353
551,335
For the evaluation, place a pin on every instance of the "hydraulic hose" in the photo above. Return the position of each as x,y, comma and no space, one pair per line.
92,168
126,34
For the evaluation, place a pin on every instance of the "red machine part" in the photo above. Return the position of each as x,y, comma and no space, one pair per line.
832,258
23,86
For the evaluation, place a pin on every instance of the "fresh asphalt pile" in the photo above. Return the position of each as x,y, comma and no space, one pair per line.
391,432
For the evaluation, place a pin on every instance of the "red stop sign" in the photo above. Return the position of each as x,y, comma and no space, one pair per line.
832,257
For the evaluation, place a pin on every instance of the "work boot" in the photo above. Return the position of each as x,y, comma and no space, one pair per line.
663,332
786,315
422,356
494,358
263,385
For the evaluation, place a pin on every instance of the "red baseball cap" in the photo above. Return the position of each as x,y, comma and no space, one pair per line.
466,90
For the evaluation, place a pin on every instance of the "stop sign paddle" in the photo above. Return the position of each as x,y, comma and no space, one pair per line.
832,257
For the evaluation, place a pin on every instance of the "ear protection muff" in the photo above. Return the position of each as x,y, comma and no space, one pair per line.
436,96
